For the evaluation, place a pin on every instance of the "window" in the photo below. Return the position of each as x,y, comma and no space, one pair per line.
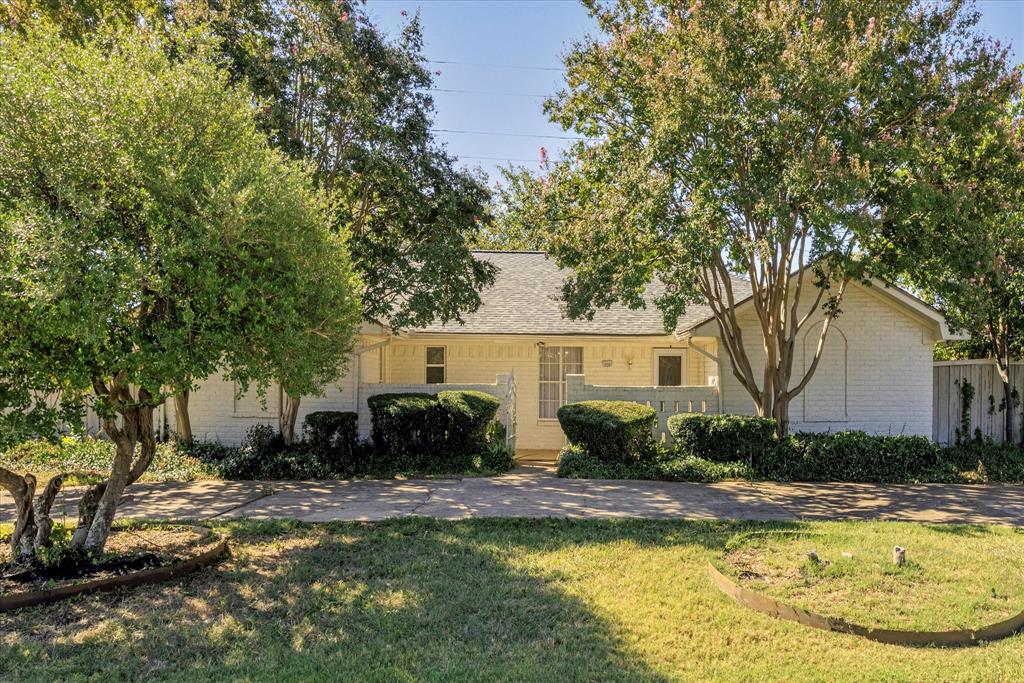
435,365
669,367
670,371
555,363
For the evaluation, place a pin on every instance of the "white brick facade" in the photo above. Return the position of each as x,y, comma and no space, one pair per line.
875,375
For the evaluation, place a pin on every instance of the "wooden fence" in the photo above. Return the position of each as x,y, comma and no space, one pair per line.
986,409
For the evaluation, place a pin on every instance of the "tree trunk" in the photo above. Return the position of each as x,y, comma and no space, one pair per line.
182,423
32,525
106,506
289,413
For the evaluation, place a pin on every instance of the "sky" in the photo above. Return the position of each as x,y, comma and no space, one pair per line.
508,55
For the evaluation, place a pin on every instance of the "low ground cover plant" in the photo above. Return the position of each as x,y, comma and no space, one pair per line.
88,458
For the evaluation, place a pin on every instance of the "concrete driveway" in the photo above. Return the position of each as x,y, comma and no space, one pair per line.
533,491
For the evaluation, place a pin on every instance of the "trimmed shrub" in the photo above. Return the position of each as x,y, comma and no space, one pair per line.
407,426
722,438
611,431
469,414
333,437
850,456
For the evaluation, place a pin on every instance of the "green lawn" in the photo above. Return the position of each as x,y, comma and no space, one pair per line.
509,600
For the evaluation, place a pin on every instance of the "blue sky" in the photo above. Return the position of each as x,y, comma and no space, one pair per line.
491,92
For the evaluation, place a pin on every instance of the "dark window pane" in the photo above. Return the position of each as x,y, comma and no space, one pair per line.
435,355
435,375
670,371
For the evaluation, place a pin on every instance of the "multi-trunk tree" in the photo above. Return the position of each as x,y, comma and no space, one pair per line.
755,138
150,236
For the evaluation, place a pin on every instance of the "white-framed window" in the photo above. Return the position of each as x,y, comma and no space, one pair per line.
436,367
555,363
669,367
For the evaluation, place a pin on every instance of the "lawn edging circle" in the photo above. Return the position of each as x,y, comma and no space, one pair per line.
774,608
14,601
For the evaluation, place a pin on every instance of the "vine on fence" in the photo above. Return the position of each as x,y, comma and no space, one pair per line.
963,432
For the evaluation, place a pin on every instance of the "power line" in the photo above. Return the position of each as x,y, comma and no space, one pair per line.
487,92
497,66
468,156
508,135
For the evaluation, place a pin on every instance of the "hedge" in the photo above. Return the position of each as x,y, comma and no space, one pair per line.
334,433
405,425
722,438
439,433
469,415
850,456
611,431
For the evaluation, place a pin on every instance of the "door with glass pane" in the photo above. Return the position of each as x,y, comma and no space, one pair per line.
555,363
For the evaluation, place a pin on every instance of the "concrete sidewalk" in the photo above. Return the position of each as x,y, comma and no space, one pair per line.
534,492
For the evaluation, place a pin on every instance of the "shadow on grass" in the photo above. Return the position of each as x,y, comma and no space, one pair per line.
412,599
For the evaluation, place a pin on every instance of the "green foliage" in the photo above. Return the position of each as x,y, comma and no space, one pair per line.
332,433
611,431
90,459
148,232
407,424
982,462
470,413
433,433
575,462
963,432
850,456
791,143
722,437
357,105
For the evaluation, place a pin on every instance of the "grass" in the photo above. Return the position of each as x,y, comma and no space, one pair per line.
954,577
90,461
485,599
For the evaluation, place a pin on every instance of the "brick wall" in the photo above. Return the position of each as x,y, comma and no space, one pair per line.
875,374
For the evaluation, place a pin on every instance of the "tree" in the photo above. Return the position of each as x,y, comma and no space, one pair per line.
357,107
755,138
150,235
976,276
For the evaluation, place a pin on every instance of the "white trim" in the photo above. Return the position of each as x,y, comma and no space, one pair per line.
657,353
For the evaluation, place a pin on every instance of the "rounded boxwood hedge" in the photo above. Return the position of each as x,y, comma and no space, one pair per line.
722,437
611,431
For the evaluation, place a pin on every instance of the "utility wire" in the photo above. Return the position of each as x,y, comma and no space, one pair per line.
468,156
497,66
509,135
487,92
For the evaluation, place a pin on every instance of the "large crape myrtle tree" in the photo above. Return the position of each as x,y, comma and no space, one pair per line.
757,138
149,235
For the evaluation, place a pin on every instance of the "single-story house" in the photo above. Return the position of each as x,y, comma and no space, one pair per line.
875,373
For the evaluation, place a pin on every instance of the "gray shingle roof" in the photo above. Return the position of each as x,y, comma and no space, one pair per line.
526,299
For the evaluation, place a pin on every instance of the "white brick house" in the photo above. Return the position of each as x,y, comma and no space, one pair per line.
875,374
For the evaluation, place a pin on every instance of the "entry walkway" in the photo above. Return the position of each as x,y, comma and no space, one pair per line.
533,491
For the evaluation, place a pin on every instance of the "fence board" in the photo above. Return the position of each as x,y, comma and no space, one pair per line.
986,413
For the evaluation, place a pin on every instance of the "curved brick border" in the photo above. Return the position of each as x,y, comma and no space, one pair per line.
140,578
780,610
